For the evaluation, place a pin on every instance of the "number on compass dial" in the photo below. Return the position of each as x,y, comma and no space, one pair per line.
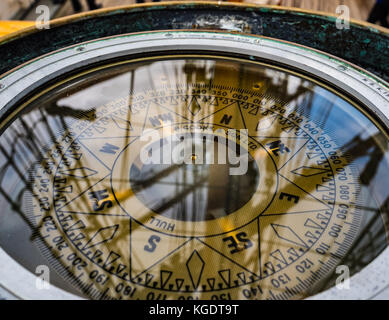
127,228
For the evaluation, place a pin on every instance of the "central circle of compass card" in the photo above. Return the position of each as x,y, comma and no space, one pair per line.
276,225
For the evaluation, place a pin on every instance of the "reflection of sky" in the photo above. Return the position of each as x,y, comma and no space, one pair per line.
342,121
98,94
150,76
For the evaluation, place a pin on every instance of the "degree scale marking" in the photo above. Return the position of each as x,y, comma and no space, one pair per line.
161,287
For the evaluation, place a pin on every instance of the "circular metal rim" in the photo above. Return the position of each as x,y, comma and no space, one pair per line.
360,84
363,86
24,285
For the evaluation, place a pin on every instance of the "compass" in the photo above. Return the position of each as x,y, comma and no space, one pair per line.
193,164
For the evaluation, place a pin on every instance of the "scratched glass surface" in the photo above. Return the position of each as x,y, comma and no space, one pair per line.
190,192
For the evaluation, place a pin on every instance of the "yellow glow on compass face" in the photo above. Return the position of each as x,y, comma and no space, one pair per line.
201,178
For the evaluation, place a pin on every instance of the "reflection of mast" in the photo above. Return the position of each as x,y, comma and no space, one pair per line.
22,141
188,188
25,151
359,147
145,183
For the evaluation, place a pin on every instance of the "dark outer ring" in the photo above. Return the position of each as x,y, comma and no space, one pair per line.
363,44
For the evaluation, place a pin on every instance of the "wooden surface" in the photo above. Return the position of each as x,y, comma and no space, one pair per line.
8,8
359,9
